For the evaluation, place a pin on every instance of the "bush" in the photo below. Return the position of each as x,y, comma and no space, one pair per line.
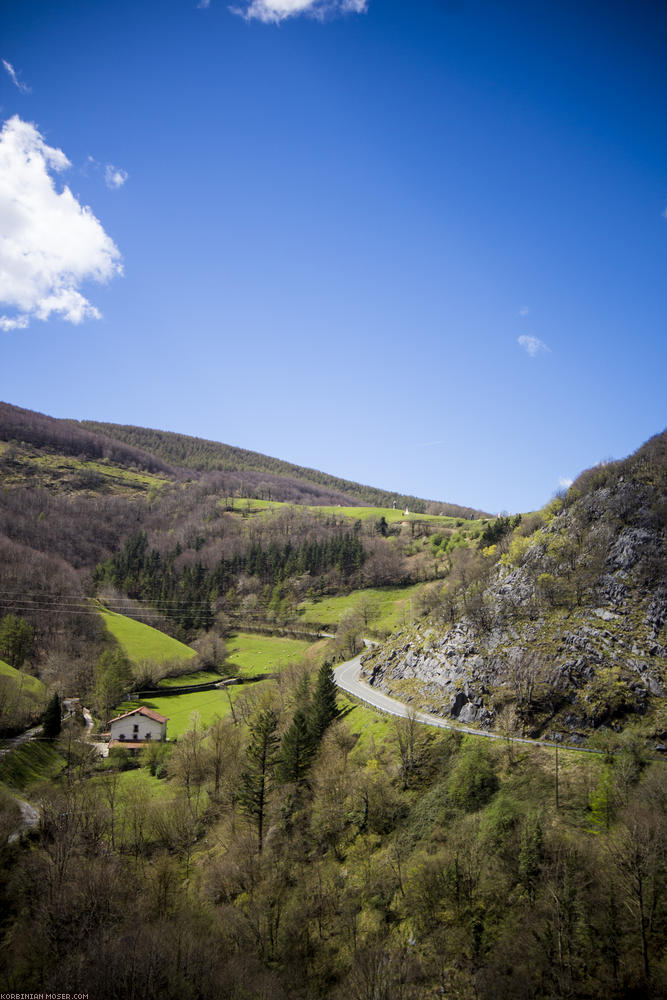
473,780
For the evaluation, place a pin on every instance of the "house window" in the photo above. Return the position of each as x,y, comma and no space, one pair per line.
122,736
148,736
136,727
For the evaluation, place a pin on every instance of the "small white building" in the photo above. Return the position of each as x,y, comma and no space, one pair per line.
136,728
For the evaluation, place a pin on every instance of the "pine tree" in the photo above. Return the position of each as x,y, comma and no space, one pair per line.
324,708
256,778
51,720
296,752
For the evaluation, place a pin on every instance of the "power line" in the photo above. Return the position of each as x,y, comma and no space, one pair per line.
114,600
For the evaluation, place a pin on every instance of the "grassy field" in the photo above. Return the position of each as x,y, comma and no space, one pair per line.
250,507
386,607
141,642
390,515
29,685
372,727
30,764
185,680
264,654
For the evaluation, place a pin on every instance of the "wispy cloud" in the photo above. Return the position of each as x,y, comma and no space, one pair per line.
51,243
275,11
524,310
565,483
428,444
532,345
23,87
664,212
114,177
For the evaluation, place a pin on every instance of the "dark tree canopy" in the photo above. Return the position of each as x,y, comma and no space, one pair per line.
51,721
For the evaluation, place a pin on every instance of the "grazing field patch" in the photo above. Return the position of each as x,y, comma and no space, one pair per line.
379,608
187,680
30,764
142,642
26,683
372,727
249,507
264,654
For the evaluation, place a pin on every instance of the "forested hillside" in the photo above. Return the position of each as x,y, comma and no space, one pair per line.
286,842
197,453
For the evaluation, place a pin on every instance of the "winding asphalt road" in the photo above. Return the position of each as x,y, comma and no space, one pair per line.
347,678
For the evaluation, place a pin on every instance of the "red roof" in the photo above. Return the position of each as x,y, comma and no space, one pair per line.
148,712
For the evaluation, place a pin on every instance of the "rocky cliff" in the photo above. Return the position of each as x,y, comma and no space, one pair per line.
559,628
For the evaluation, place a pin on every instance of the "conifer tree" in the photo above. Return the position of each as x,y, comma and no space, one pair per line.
324,708
256,777
296,752
51,720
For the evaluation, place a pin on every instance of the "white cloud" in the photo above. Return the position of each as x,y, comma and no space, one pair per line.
50,243
565,483
114,177
524,310
532,345
23,87
664,213
275,11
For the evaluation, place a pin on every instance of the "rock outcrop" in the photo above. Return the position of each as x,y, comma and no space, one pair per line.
569,623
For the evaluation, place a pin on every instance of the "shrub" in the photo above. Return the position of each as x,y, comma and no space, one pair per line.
473,780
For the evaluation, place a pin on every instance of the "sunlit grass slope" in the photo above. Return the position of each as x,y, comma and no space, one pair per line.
384,608
264,654
188,680
249,506
30,764
142,642
28,684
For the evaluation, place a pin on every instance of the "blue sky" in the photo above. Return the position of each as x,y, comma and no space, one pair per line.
416,244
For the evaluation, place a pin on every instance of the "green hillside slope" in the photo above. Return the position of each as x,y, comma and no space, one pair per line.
142,642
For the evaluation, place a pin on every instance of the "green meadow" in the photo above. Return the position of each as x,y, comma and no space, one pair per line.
264,654
28,684
385,608
371,726
30,764
248,507
142,642
185,680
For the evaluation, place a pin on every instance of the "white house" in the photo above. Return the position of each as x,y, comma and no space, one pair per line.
136,728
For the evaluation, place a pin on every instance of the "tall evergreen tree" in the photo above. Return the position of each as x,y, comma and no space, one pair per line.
256,777
51,720
324,708
296,752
